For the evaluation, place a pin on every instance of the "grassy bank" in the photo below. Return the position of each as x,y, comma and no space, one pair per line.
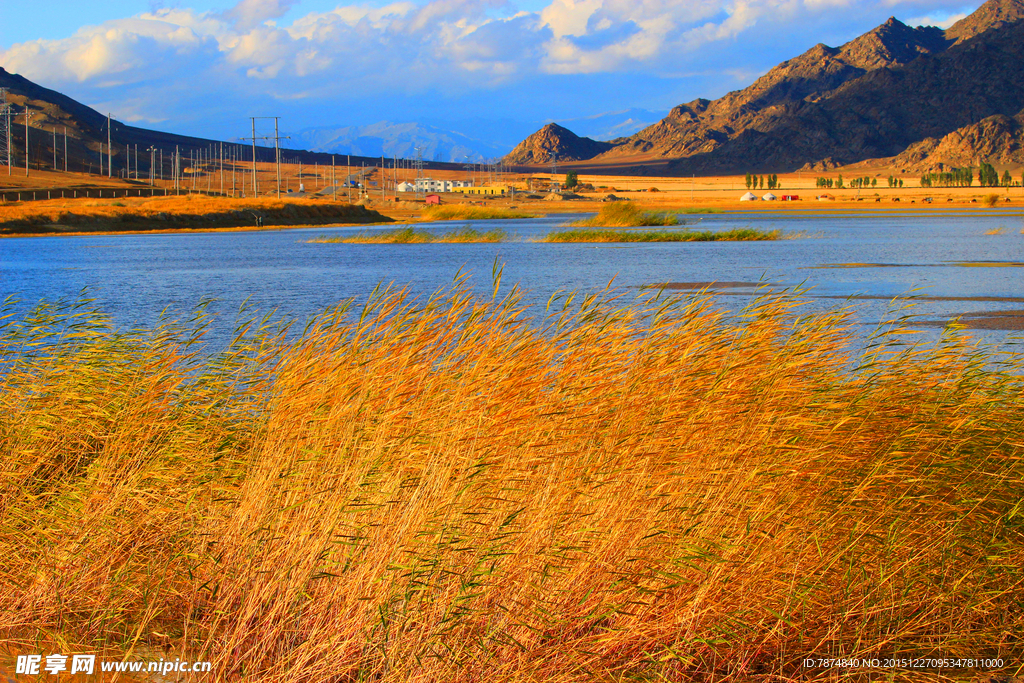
626,215
446,491
173,213
447,212
415,236
599,235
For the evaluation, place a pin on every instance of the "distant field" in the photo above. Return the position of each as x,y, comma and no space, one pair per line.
170,213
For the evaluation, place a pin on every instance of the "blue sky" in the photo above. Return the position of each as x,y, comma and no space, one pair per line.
496,69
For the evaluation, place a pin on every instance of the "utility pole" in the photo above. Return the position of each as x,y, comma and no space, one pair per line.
136,161
221,157
5,128
28,115
277,156
110,150
65,149
177,168
254,186
152,163
54,149
348,175
334,180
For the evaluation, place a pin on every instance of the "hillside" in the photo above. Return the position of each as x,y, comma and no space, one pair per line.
555,141
871,97
87,133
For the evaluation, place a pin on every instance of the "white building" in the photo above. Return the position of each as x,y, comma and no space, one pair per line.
431,185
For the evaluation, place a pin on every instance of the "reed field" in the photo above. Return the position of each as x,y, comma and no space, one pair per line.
447,212
626,215
605,235
444,489
463,235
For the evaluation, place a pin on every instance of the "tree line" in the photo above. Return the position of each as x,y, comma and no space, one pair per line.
839,183
755,182
988,176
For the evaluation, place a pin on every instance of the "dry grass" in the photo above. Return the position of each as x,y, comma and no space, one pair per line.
169,210
447,491
626,215
413,236
592,235
996,231
448,212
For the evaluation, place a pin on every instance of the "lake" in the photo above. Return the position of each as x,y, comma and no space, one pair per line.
135,277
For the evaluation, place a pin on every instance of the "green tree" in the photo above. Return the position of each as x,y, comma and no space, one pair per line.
749,180
761,186
1007,179
874,182
839,182
571,179
987,175
901,182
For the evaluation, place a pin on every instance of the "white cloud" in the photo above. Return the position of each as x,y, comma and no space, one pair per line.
248,14
173,58
941,19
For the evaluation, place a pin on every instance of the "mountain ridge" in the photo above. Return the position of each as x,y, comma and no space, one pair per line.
792,116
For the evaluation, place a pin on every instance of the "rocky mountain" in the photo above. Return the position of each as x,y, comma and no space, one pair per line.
996,139
554,140
872,97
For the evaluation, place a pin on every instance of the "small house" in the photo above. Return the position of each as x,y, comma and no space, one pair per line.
769,197
790,197
749,197
433,199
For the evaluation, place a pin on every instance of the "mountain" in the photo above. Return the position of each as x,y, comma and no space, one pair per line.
555,141
399,140
87,135
996,139
871,97
612,125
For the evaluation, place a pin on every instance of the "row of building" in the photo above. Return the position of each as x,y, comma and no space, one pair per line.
432,185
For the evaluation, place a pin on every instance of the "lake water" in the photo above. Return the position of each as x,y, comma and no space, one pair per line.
135,277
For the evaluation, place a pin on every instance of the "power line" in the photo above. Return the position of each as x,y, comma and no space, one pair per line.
277,137
5,128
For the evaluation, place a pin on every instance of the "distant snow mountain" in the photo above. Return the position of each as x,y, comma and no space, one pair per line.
611,125
389,139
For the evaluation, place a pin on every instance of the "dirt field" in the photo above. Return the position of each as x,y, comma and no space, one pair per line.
720,193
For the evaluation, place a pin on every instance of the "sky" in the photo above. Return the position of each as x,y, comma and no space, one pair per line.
494,70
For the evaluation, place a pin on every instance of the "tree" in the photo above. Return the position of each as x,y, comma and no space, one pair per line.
839,182
571,179
901,182
761,180
749,179
874,181
1007,179
987,175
